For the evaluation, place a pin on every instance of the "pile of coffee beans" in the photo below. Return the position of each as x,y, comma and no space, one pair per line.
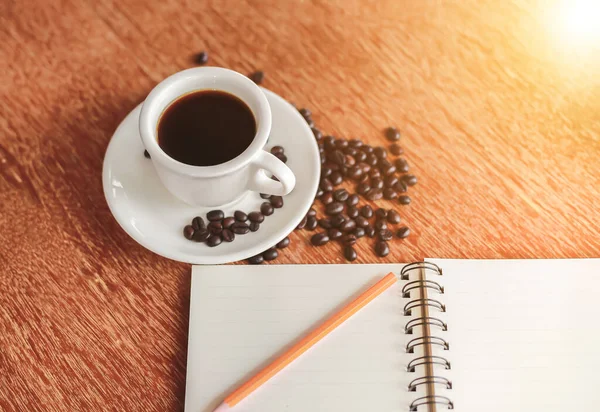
374,175
219,228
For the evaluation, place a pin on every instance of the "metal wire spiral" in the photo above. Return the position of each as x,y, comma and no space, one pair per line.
425,320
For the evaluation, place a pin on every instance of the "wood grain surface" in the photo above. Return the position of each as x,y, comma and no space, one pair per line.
500,122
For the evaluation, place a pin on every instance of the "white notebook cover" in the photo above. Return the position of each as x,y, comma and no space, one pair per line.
241,317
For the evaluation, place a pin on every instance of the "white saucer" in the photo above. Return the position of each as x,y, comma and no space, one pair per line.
155,219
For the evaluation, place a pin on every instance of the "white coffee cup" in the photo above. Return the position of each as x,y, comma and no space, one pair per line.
224,183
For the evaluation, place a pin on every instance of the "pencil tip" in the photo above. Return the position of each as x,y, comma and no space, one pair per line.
222,408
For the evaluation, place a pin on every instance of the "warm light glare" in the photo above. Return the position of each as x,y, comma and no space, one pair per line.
580,20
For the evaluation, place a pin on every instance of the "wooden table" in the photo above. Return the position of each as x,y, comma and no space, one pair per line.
500,122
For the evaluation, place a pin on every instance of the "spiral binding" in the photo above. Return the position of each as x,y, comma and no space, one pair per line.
433,321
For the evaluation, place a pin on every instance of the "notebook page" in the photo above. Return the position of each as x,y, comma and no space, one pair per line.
524,335
241,317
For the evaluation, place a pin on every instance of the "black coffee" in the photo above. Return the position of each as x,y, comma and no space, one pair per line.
206,128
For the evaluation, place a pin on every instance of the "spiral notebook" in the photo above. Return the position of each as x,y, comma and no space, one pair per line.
468,335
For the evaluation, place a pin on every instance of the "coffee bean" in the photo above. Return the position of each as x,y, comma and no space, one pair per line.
382,249
341,143
340,195
311,223
326,185
365,167
356,143
348,239
390,181
338,158
305,112
380,225
214,240
215,215
281,157
363,188
334,233
404,200
387,168
410,180
381,213
240,228
266,209
390,194
277,202
188,232
360,157
385,234
350,253
350,152
311,212
372,159
403,232
374,194
201,58
359,232
270,254
349,161
367,148
319,193
337,221
228,222
355,172
377,183
374,173
326,172
336,178
256,217
352,200
393,217
227,235
329,142
348,226
334,208
325,223
317,133
370,231
263,196
366,211
146,154
352,212
322,159
319,239
254,226
256,260
215,228
257,77
380,152
362,221
401,187
240,216
285,242
392,134
396,149
276,150
302,223
327,198
198,223
401,165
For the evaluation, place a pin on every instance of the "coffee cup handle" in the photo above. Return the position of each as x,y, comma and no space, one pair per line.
259,182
